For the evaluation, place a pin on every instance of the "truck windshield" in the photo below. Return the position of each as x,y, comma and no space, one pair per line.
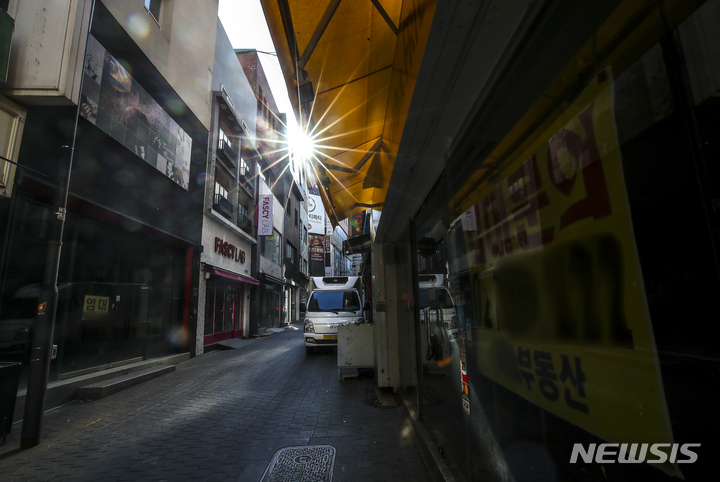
334,301
442,299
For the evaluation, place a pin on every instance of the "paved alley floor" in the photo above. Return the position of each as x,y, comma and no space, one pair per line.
222,416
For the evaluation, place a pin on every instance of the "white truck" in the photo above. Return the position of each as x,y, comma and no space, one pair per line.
334,301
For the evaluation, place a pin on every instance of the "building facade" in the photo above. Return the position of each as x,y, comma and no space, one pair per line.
229,247
276,181
295,280
129,267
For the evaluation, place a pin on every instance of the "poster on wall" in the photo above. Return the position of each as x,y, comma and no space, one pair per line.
265,215
114,101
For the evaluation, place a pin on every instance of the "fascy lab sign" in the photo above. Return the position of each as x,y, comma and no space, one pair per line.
265,220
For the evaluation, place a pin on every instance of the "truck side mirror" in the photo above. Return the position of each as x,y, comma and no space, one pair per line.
367,306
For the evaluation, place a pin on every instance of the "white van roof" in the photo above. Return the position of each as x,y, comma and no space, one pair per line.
324,283
431,280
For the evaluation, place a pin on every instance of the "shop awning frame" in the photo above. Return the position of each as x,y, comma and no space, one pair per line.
350,68
235,276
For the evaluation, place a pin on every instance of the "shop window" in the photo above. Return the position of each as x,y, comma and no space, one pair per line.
244,221
643,95
242,210
244,168
220,307
291,254
221,201
34,220
11,128
226,152
224,141
108,278
270,247
153,6
224,137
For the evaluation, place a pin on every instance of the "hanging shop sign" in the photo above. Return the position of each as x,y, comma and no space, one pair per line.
317,247
557,276
316,215
265,215
357,224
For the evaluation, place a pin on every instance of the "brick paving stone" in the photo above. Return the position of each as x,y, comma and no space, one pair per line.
222,417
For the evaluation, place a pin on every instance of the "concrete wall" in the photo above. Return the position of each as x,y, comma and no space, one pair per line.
200,331
181,46
47,50
392,309
49,41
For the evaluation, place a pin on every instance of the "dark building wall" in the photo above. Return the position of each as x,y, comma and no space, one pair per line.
128,222
107,173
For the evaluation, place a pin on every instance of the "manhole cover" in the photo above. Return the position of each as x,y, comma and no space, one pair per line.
307,463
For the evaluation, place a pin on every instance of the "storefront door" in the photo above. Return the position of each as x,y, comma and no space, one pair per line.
222,309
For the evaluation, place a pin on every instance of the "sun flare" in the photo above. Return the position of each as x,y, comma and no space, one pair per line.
301,144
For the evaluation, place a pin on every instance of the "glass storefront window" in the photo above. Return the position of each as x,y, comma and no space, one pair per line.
574,268
120,293
222,306
271,247
270,309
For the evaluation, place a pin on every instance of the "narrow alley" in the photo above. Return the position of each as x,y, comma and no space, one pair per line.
222,416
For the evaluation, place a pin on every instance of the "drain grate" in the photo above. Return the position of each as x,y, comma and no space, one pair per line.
307,463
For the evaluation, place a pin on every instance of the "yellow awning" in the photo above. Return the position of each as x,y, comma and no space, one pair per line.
361,59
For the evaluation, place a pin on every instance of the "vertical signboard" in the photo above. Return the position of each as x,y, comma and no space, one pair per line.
265,215
357,224
317,248
316,215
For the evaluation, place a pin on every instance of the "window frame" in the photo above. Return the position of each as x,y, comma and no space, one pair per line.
149,7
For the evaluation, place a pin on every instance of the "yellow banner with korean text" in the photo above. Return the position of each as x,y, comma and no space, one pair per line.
560,312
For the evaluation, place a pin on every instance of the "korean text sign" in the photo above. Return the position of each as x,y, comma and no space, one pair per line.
561,313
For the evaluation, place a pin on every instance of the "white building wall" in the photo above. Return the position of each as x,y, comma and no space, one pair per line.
50,37
47,50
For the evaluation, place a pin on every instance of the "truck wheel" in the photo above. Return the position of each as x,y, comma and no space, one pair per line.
309,350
